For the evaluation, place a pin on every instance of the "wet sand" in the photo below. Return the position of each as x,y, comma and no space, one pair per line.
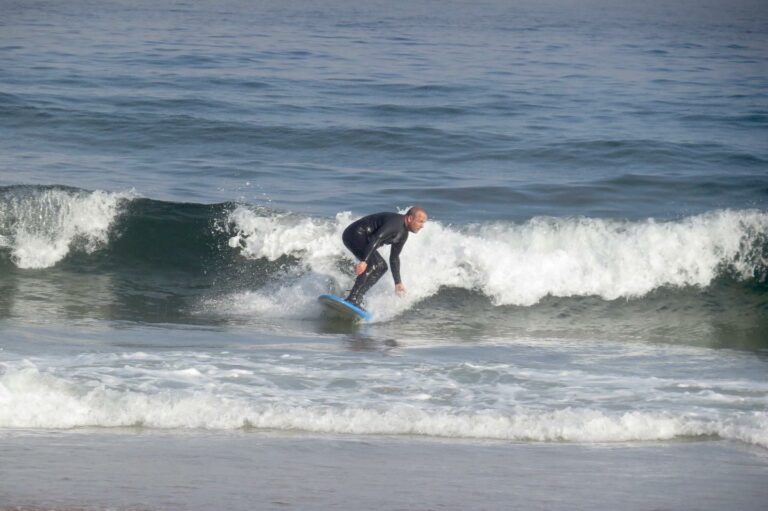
130,470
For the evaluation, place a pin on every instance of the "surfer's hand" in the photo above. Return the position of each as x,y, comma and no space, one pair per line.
361,267
400,289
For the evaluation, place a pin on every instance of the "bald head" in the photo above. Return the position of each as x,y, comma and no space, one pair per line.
415,218
415,209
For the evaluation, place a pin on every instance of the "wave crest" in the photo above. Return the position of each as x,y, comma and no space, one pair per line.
42,225
520,264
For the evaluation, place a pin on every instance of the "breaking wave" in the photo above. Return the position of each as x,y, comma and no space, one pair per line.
34,399
245,259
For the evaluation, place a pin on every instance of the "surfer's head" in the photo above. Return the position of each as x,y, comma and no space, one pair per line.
415,218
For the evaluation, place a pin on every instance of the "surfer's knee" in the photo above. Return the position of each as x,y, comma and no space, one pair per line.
380,268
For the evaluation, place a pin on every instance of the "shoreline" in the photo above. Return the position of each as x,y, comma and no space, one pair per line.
196,471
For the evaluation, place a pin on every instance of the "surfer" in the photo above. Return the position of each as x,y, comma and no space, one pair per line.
363,237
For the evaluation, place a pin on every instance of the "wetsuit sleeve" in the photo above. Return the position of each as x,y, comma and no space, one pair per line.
394,260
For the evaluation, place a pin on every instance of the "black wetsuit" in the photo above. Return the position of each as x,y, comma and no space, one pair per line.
363,237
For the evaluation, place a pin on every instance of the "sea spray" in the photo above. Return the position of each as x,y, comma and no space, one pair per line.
42,225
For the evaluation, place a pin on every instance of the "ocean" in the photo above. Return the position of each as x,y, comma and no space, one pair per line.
586,322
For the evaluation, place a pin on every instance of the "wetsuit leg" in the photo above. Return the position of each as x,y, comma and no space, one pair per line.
376,268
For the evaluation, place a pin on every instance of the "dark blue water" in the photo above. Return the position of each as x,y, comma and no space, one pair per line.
175,177
478,111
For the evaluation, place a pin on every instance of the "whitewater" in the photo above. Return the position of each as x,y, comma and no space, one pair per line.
293,389
510,263
521,264
264,269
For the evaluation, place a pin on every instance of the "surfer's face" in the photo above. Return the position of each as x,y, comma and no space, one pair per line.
415,222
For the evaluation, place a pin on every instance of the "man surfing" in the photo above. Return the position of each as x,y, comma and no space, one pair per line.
363,237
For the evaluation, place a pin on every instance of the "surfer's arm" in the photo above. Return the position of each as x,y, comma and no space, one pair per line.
369,249
394,262
376,240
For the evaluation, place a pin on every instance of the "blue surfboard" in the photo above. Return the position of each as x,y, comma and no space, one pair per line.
344,308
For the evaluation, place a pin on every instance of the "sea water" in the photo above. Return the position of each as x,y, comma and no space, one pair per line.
175,178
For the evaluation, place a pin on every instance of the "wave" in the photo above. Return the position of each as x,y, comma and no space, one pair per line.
32,399
520,264
245,259
154,122
152,128
42,225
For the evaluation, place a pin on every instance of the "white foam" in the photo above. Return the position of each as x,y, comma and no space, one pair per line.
519,264
42,228
30,398
317,242
296,300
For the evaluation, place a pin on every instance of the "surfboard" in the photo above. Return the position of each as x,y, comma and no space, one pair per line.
344,308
